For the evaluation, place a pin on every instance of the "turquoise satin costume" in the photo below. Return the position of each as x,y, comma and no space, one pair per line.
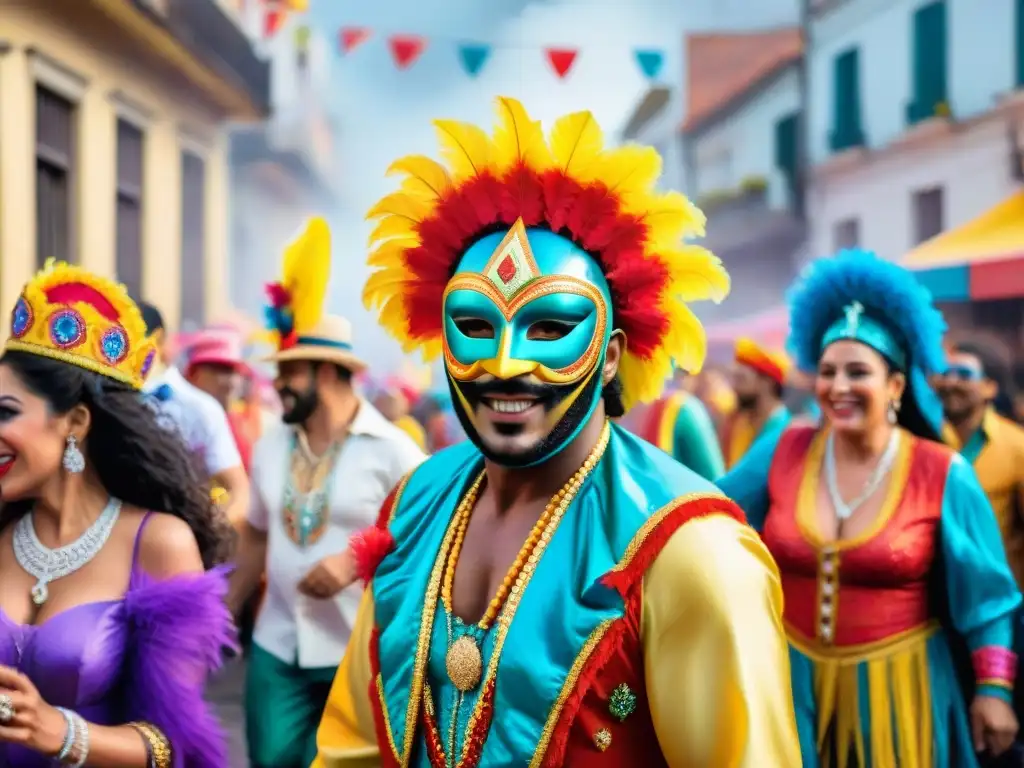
634,491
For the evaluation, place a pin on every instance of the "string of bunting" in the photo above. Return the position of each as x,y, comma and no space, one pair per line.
406,49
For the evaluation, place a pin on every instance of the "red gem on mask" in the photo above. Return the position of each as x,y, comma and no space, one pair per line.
507,269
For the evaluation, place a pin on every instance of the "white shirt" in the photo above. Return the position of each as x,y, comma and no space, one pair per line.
375,456
200,420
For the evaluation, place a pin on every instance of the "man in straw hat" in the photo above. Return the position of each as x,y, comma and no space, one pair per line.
317,477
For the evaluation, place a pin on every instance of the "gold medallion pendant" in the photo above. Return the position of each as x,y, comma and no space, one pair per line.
464,663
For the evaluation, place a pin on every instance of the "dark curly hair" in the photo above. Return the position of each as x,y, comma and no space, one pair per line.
136,459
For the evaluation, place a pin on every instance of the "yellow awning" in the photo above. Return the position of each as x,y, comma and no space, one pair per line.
996,234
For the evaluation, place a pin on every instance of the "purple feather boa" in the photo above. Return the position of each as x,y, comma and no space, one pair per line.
179,628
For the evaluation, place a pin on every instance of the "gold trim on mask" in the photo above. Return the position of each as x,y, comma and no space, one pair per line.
504,366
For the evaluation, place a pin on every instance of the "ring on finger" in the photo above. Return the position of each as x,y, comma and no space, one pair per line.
7,711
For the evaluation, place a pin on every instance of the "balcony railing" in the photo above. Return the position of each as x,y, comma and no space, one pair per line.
206,29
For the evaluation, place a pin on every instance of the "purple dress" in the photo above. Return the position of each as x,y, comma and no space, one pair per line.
143,657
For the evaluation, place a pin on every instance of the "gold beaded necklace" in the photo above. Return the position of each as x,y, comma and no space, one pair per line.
464,660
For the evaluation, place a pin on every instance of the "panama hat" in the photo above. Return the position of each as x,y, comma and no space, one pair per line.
329,341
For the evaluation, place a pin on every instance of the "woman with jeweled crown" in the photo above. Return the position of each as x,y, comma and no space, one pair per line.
892,564
554,591
111,611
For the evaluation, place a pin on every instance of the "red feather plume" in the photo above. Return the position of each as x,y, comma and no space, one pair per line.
369,546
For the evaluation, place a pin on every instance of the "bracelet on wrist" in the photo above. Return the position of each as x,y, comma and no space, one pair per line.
74,751
70,730
158,746
994,665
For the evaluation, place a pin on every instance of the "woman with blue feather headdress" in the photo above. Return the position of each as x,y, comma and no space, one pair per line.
891,561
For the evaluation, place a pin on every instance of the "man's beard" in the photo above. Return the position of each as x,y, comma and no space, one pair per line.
746,402
305,404
550,397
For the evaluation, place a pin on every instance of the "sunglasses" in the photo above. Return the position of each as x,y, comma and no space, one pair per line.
964,373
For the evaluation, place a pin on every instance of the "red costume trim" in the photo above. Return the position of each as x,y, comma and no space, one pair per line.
588,215
651,539
994,665
388,758
571,740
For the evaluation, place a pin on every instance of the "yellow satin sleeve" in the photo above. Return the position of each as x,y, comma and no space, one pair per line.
716,660
346,737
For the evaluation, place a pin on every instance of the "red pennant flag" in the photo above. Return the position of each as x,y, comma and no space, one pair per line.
405,49
353,37
561,60
272,20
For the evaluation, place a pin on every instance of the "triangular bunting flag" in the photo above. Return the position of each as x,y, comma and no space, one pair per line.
650,63
353,37
561,60
473,58
405,49
272,21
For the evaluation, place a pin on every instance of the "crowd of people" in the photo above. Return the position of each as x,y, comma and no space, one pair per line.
581,552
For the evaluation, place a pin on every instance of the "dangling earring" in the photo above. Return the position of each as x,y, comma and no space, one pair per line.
74,461
894,410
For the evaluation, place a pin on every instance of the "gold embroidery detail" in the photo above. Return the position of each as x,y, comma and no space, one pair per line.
568,687
399,489
637,542
384,711
603,739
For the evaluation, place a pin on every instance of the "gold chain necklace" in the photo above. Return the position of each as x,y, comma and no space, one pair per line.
464,659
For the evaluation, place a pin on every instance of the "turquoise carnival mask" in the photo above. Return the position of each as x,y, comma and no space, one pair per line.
527,320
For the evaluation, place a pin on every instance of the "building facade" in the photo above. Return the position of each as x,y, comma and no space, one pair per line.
113,153
742,164
908,118
284,169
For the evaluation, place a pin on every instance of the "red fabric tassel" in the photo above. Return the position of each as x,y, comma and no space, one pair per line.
369,546
622,580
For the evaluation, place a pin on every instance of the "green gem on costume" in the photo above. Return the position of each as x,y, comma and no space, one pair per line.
622,702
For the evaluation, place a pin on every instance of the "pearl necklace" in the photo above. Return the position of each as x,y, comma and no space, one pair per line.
47,565
844,510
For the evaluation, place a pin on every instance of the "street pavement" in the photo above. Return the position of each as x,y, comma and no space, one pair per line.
225,692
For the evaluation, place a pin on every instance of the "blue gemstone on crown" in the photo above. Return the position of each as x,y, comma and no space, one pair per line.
115,345
67,329
21,319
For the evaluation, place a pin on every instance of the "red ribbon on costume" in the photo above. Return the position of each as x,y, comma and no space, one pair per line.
994,665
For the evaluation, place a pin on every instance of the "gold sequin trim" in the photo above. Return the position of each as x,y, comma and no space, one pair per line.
567,690
80,361
384,712
399,489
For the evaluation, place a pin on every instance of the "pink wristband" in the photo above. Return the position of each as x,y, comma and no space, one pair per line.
994,665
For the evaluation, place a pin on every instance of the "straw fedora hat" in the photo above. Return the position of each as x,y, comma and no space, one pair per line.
329,341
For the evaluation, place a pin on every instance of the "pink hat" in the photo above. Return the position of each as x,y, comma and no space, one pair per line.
217,347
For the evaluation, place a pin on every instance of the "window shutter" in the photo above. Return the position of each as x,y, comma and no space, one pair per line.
846,130
929,61
1019,24
786,144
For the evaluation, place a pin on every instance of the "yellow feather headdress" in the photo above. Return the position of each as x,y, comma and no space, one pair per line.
296,302
603,198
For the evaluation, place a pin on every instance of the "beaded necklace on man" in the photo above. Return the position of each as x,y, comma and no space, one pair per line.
463,657
307,493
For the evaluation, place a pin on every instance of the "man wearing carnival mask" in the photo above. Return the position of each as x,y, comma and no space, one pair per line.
639,623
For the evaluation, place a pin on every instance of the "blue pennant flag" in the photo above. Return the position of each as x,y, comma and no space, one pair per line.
650,63
473,58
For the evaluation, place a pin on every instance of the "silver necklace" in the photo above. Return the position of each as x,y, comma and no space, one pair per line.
47,565
844,510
